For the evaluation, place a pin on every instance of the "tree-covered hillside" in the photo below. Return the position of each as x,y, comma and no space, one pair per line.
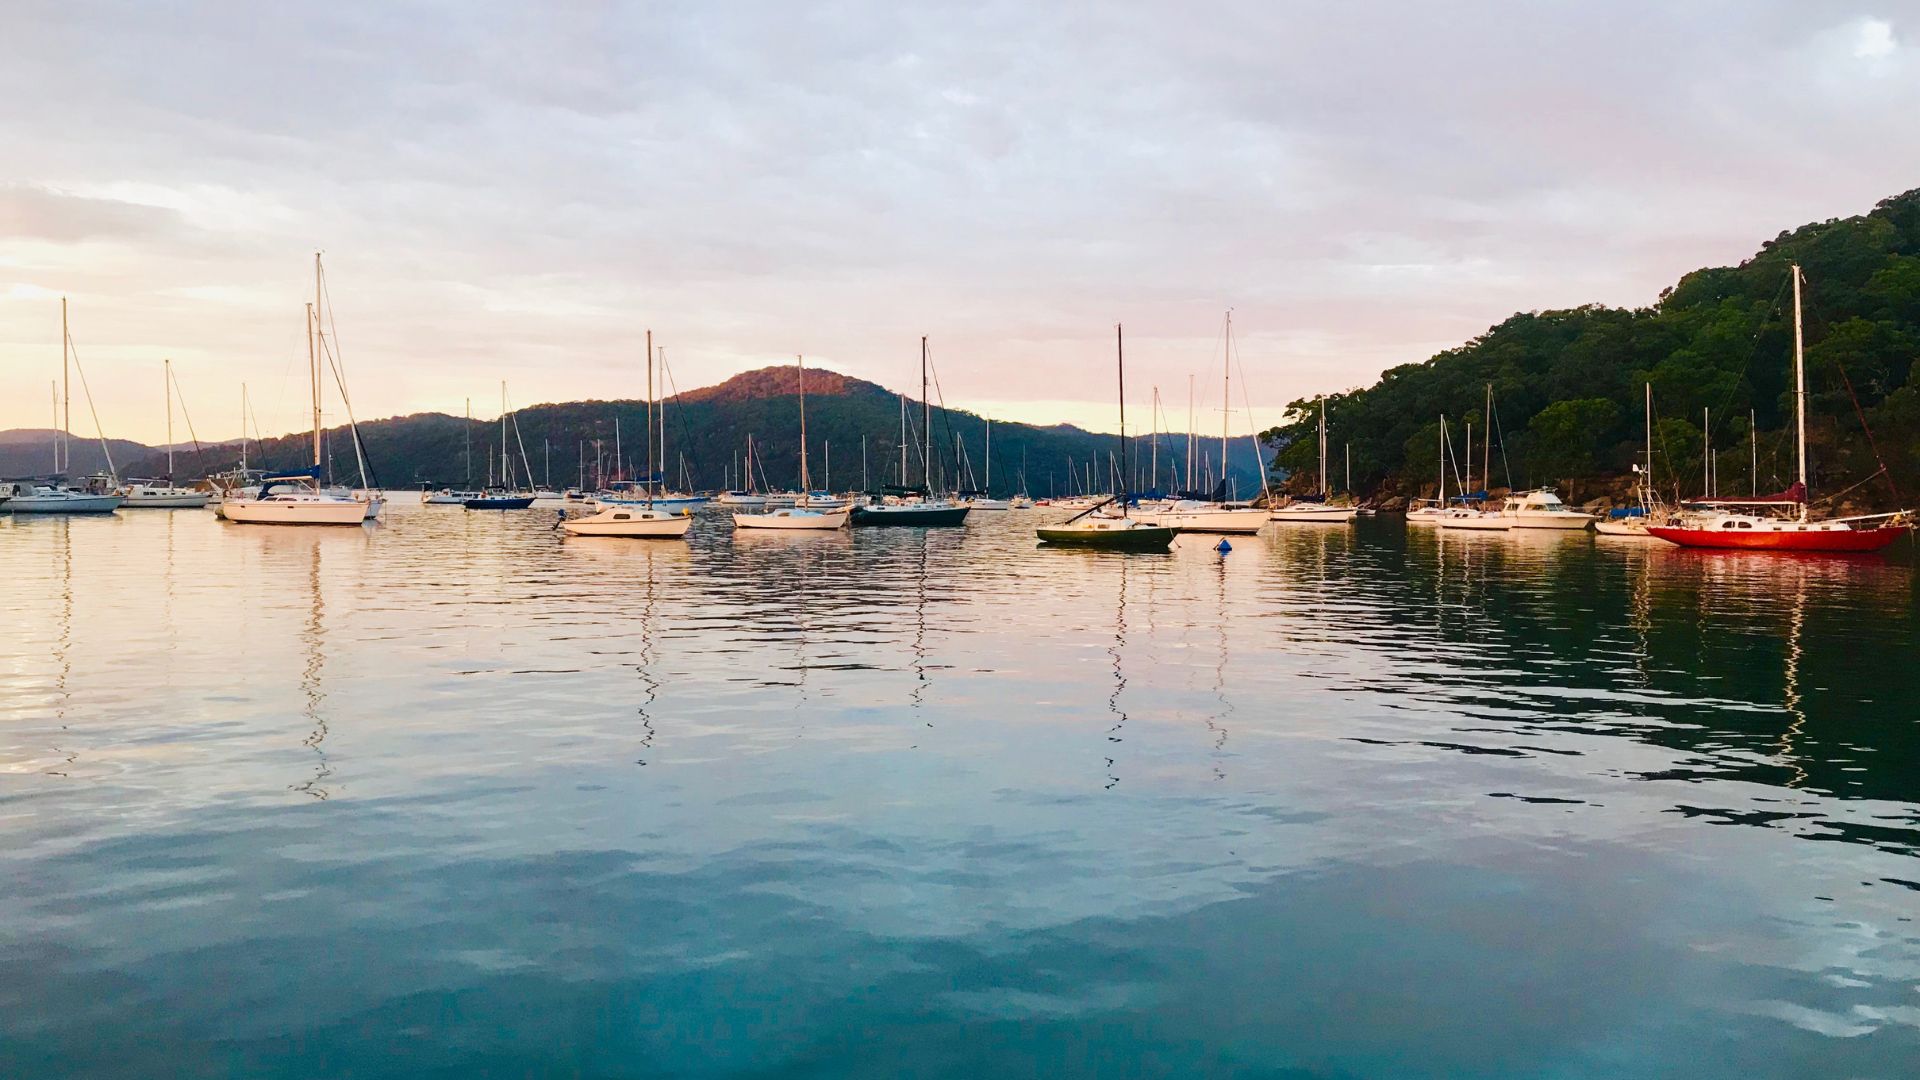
1568,385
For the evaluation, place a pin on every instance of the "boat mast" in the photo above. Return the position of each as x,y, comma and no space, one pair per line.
1467,485
989,483
903,440
166,368
313,374
467,432
1189,431
649,418
1646,483
1706,453
506,463
1486,447
926,418
1753,442
1799,395
1120,362
805,482
661,410
243,430
1441,492
1323,450
64,449
1226,396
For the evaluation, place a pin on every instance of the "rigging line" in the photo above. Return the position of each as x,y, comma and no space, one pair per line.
1874,446
1753,349
369,480
188,417
112,472
1502,434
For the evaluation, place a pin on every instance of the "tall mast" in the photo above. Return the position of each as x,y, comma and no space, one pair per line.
1468,485
1646,482
1189,431
1323,448
467,437
989,483
313,373
54,389
903,440
806,484
1120,363
926,418
1153,443
66,394
1799,396
1441,492
661,409
166,376
243,429
1753,443
1226,394
1706,453
1486,447
650,463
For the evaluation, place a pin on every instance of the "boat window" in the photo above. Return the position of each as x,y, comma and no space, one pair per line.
622,517
1746,524
1727,525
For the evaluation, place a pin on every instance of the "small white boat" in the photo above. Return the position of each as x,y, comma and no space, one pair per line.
1304,512
28,498
1426,512
1633,525
1187,515
1542,509
781,498
1464,517
448,497
156,495
793,518
633,521
544,495
741,498
984,503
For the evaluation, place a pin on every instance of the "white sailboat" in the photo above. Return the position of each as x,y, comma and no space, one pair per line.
790,516
164,494
643,521
58,497
1465,515
296,498
1190,515
1429,513
1316,510
1634,522
984,500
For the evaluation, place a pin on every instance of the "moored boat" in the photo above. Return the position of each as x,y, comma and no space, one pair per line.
1110,532
1782,522
631,521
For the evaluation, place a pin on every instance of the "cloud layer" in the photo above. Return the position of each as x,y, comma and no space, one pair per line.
512,191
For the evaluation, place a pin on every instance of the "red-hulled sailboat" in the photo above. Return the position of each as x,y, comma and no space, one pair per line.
1781,522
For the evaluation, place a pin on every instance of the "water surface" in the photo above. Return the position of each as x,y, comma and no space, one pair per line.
453,796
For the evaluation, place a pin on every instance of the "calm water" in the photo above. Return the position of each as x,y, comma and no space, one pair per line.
455,797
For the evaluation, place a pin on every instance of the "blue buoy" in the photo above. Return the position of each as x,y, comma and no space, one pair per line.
1223,547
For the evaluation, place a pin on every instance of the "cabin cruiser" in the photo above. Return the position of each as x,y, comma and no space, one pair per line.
1542,509
28,497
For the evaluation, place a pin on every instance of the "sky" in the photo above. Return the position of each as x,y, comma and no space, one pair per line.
517,192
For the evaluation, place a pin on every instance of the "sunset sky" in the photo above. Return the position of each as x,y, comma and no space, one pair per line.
511,191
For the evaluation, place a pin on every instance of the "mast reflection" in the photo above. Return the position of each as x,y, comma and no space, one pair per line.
313,639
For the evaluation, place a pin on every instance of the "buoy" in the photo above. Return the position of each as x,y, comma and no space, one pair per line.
1223,547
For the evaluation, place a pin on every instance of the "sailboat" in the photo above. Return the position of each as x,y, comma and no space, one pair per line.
1782,522
912,506
1633,520
983,499
1470,511
56,497
458,496
1429,513
1117,531
164,494
621,518
1191,515
506,496
796,517
295,498
1315,508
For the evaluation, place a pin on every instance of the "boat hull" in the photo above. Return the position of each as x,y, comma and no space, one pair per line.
1808,538
1478,523
302,512
1566,522
1319,515
85,504
912,516
1149,538
662,527
184,500
1230,522
792,520
1637,530
518,502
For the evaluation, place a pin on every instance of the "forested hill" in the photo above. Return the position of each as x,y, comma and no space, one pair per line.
707,430
1568,385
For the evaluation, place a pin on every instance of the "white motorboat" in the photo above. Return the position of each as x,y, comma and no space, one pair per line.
159,495
793,518
448,497
740,498
984,503
29,498
1542,509
1187,515
633,521
1632,523
1426,512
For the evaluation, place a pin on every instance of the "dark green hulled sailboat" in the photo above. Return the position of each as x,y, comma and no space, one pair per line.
1110,532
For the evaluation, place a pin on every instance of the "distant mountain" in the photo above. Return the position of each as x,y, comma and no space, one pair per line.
28,452
707,432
